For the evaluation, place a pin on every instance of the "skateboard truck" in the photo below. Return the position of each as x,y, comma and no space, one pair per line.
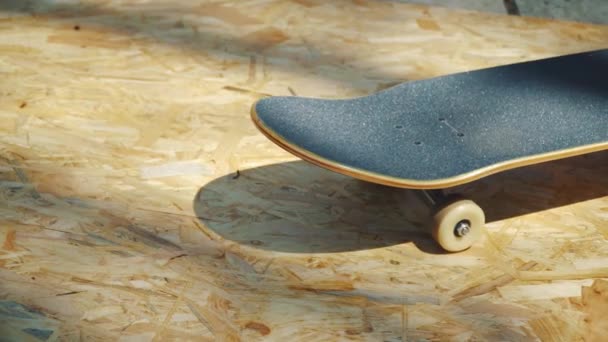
457,222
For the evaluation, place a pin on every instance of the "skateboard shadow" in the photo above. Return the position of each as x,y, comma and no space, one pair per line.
299,208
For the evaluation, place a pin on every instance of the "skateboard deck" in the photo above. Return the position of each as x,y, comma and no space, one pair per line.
449,130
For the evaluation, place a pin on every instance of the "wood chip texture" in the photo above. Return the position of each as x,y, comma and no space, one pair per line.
139,203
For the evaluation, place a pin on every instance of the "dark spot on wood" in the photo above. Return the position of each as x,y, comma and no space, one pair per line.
259,327
395,262
23,104
68,293
33,278
178,256
76,27
237,175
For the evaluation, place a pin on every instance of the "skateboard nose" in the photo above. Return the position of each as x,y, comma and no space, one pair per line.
271,108
289,114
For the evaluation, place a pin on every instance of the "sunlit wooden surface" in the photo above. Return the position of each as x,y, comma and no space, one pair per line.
139,202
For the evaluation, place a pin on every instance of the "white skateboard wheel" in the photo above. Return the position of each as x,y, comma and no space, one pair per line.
458,225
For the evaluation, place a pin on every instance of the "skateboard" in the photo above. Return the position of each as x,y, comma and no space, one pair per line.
441,132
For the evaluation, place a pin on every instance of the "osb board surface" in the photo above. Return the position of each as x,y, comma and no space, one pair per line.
138,202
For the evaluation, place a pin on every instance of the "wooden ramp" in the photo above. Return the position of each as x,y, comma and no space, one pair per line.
139,203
